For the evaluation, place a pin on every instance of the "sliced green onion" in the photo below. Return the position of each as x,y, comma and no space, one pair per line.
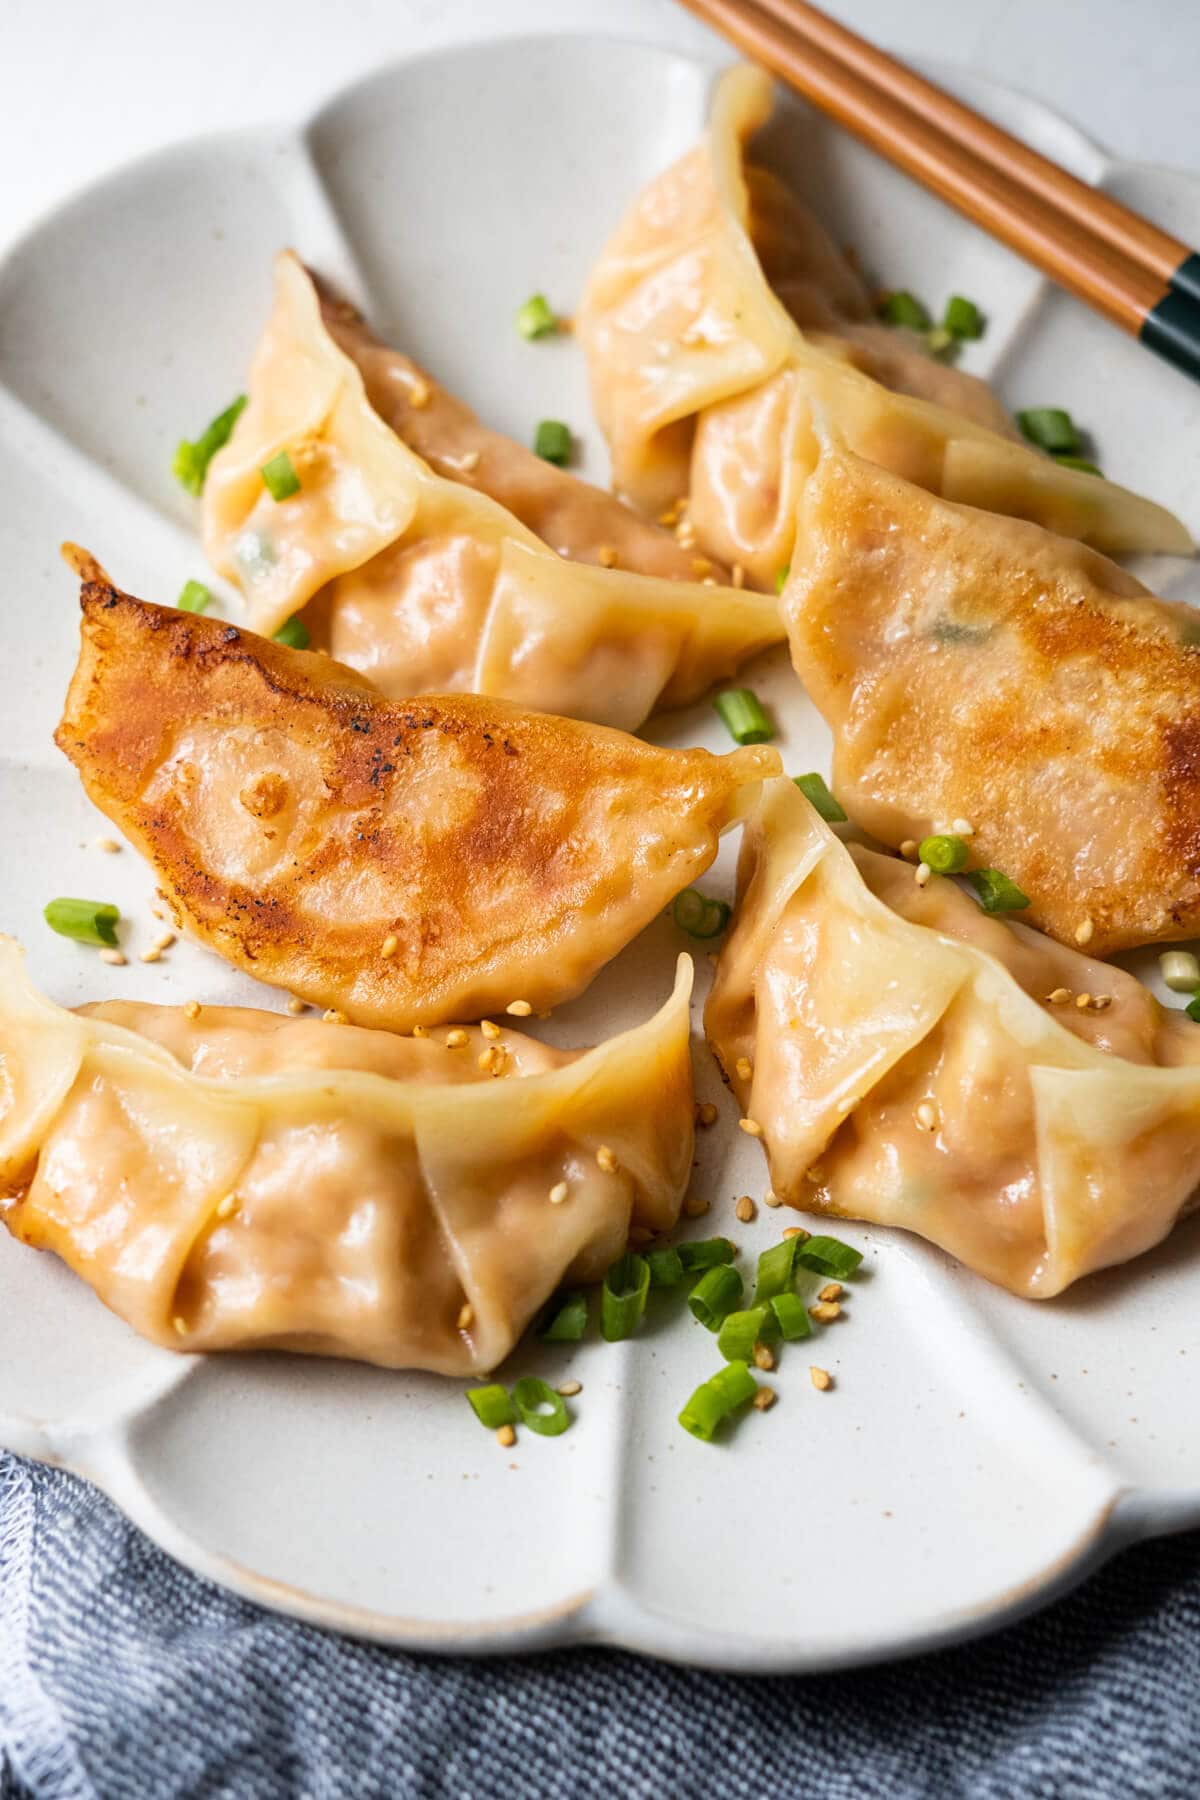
1050,428
714,1400
715,1295
552,442
740,1331
279,477
776,1267
294,633
623,1296
903,308
816,792
945,855
87,921
492,1406
962,318
699,916
781,576
564,1321
1192,1009
1081,463
191,460
705,1253
996,892
828,1256
666,1268
940,340
540,1407
536,318
1180,971
194,597
743,716
791,1315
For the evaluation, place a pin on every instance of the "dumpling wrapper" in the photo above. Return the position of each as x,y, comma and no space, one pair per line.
245,1180
425,585
1063,1141
297,820
705,385
976,667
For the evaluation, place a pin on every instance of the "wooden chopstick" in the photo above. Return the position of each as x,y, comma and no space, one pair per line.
1128,292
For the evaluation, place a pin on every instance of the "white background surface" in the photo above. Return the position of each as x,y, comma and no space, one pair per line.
84,87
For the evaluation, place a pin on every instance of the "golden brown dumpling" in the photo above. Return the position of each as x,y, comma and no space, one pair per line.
405,861
909,1067
427,585
243,1180
979,668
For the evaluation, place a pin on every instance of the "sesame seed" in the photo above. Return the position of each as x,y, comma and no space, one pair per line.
227,1207
1101,1002
488,1029
520,1009
670,517
694,1207
825,1312
457,1038
1083,1001
963,828
115,957
296,1006
390,945
763,1357
908,849
751,1127
738,575
607,1160
466,1316
151,955
606,556
420,1031
470,462
506,1437
334,1016
771,1198
180,1326
1060,997
558,1193
108,844
709,581
820,1378
164,940
706,1114
744,1068
927,1116
569,1389
192,1009
764,1399
923,874
486,1057
418,394
796,1231
1083,931
745,1209
831,1291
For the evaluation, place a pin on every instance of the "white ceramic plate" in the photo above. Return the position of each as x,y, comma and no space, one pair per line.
978,1453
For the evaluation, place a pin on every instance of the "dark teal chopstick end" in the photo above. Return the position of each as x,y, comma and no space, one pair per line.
1172,330
1186,279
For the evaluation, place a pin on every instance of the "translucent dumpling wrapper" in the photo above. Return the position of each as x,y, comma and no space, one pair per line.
426,585
405,862
245,1180
909,1068
705,384
973,667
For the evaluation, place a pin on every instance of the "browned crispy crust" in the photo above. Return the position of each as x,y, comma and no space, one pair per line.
297,820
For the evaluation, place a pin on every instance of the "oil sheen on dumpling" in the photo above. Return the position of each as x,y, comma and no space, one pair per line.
979,668
706,386
427,585
244,1180
908,1066
406,862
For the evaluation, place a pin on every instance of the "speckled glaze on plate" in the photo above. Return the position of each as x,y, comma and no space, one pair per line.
977,1453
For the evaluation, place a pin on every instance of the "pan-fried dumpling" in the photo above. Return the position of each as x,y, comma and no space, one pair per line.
915,1063
242,1180
406,862
705,385
585,523
425,585
978,668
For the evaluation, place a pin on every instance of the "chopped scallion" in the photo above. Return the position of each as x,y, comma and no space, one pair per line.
623,1296
699,916
666,1268
279,477
996,892
194,597
1050,428
817,793
740,1331
191,460
540,1407
492,1406
87,921
828,1256
1180,971
705,1253
715,1295
946,855
940,340
781,576
1081,463
775,1270
294,633
743,716
903,308
962,318
1192,1009
536,318
564,1320
791,1315
715,1399
552,442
